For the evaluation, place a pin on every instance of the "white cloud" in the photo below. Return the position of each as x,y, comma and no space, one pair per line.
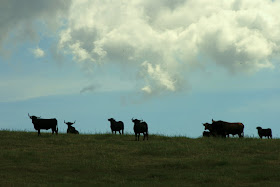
38,52
162,40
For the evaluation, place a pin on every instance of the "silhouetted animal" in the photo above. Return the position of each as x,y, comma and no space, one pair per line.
140,127
223,128
207,134
70,129
116,125
47,124
264,132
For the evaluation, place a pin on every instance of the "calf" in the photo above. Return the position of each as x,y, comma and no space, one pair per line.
264,132
207,134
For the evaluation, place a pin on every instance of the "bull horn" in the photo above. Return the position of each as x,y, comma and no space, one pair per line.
28,115
74,121
64,121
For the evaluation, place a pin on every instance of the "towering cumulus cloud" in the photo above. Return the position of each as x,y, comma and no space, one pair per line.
164,40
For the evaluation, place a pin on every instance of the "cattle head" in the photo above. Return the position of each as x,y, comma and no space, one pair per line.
111,119
69,123
207,126
259,128
135,120
33,117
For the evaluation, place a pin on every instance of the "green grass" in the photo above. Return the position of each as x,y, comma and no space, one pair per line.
105,159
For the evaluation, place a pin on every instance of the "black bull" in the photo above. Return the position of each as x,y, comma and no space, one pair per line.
223,128
44,124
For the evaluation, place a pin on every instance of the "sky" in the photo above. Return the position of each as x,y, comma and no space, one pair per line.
175,64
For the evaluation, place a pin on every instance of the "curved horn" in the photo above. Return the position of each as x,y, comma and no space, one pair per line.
28,115
74,121
64,121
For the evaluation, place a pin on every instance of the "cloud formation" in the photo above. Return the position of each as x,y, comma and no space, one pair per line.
161,40
21,21
38,52
164,39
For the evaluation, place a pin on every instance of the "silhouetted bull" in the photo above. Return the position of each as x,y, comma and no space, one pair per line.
116,125
140,127
71,129
223,128
264,132
47,124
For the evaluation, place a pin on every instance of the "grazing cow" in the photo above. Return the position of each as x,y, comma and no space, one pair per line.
140,126
223,128
47,124
264,132
116,125
71,129
207,134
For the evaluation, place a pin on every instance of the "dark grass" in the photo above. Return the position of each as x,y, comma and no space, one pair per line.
105,159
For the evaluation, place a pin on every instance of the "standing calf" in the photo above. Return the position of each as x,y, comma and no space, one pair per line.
140,127
116,125
264,132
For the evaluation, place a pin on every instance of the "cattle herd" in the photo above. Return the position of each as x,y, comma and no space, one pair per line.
224,129
139,127
215,129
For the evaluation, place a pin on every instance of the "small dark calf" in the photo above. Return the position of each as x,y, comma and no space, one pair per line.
116,125
207,134
264,132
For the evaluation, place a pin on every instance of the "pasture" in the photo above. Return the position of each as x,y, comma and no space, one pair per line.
105,159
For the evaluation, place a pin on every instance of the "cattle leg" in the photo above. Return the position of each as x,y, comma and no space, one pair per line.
122,131
38,132
135,137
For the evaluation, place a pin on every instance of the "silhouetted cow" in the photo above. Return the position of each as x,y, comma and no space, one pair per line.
264,132
223,128
140,127
47,124
116,125
71,129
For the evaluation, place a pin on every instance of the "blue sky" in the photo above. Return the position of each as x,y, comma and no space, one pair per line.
174,64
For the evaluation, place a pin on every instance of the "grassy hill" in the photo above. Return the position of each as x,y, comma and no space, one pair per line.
26,159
